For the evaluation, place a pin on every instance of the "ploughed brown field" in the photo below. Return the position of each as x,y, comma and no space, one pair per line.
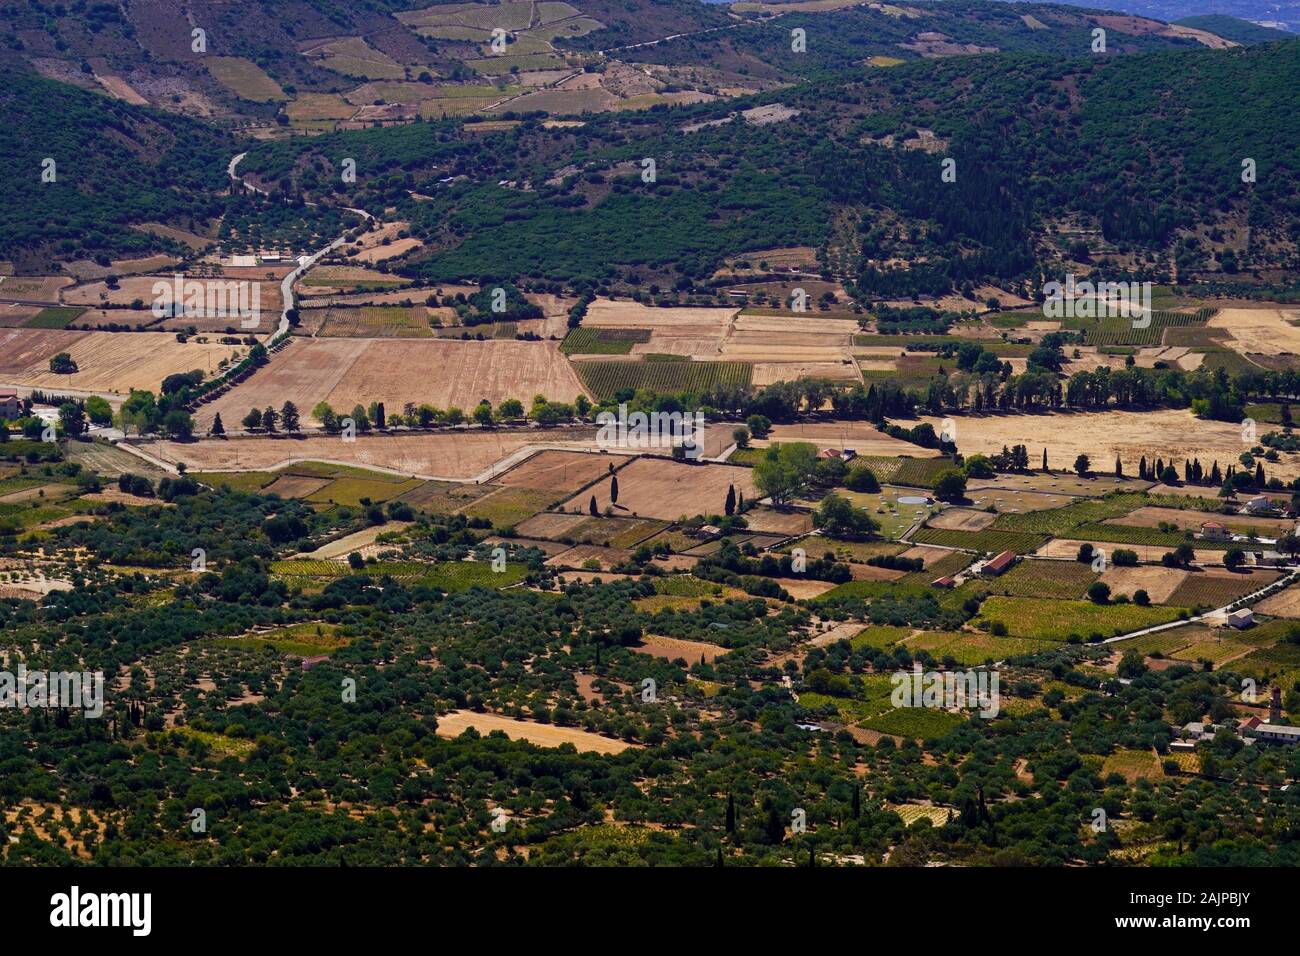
663,488
559,470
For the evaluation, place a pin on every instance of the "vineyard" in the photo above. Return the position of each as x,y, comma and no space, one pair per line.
1058,521
901,470
1050,579
606,379
987,540
588,341
1122,330
1210,591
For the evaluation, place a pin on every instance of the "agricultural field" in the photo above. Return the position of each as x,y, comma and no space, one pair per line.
889,510
587,341
456,722
367,322
452,455
560,470
245,79
1066,580
1059,620
444,373
989,541
605,379
662,488
1155,433
108,362
353,56
1212,589
868,442
1133,765
507,507
452,576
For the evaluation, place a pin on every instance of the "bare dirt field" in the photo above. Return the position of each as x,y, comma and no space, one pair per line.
543,735
132,288
559,470
1162,433
862,437
1151,517
458,455
780,522
1159,582
768,373
114,362
579,555
355,541
549,525
1282,604
962,519
295,486
662,488
605,314
1263,331
672,648
1147,553
448,373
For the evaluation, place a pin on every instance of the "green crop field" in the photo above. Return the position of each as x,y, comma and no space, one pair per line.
54,317
1057,521
901,470
1121,330
351,491
971,648
449,575
587,341
1045,579
986,540
1057,620
606,379
509,506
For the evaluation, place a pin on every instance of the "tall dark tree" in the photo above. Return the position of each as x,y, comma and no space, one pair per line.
731,500
1044,459
289,416
591,506
218,429
613,489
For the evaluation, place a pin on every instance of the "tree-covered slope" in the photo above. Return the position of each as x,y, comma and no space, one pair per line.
114,165
1151,147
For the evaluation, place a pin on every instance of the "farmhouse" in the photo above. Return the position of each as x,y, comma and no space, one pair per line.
995,566
1270,732
1214,531
944,582
10,406
1258,504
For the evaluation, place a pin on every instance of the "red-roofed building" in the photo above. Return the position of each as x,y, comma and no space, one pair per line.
10,405
1214,531
944,582
1000,563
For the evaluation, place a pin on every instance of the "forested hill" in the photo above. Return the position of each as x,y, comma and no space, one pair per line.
1149,146
113,165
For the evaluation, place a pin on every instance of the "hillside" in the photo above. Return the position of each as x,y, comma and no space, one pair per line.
852,166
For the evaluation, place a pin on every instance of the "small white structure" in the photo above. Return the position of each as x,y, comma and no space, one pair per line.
1259,503
1242,617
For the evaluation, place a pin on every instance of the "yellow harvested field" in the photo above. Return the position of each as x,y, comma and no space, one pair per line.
768,373
1147,553
458,456
1159,582
602,313
662,488
451,372
1282,604
1264,331
1159,433
456,722
378,253
672,648
142,288
862,437
113,362
443,372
